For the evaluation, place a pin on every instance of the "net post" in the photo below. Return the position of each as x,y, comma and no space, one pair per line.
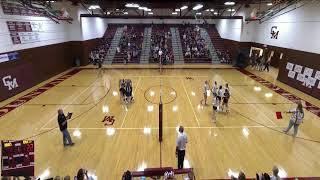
160,121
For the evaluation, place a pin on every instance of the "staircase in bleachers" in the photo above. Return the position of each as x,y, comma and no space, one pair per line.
130,45
114,43
146,45
176,46
218,44
214,57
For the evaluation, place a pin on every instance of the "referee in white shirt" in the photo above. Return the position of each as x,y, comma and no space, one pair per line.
181,147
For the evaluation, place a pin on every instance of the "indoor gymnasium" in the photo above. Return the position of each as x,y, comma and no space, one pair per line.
162,90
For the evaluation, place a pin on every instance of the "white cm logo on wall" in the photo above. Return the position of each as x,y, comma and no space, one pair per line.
9,82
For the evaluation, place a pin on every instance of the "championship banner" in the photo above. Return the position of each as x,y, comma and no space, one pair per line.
24,32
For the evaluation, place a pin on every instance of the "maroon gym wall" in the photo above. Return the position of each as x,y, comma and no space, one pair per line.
41,63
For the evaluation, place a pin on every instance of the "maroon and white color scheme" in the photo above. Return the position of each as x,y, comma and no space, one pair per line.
310,107
15,80
15,104
17,158
24,32
108,120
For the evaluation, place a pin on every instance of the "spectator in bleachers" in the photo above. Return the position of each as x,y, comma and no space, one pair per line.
83,175
161,49
241,176
275,172
193,43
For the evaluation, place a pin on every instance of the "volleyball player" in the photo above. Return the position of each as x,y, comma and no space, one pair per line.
226,96
219,97
128,91
214,89
206,88
214,107
122,90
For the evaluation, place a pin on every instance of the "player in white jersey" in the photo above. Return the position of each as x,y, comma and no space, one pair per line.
214,107
214,89
219,97
206,88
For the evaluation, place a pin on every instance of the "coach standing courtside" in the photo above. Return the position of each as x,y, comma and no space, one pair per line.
181,147
63,125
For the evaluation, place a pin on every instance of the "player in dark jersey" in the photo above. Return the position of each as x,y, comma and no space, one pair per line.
226,97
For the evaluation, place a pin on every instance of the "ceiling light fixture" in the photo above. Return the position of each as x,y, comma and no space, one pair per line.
94,7
184,7
215,13
174,13
211,10
197,7
231,10
142,8
229,3
269,4
132,5
150,13
125,13
177,10
198,13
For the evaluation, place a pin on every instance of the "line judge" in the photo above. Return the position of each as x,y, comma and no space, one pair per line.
182,140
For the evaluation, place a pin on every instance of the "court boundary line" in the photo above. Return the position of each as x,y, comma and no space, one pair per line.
194,113
187,127
64,106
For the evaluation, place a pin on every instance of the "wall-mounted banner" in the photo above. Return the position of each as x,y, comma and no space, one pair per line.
274,33
9,57
24,32
308,77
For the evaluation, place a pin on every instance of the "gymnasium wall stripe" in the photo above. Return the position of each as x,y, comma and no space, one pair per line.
22,100
310,107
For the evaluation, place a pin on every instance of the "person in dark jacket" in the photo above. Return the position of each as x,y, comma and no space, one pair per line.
63,125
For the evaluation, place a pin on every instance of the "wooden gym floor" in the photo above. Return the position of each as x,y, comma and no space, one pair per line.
248,138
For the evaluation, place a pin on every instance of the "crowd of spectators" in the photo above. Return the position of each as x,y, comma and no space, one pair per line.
193,44
161,48
130,44
99,53
224,57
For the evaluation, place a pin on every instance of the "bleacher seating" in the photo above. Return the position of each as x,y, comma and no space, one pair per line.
217,41
105,41
133,36
192,38
130,45
161,38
